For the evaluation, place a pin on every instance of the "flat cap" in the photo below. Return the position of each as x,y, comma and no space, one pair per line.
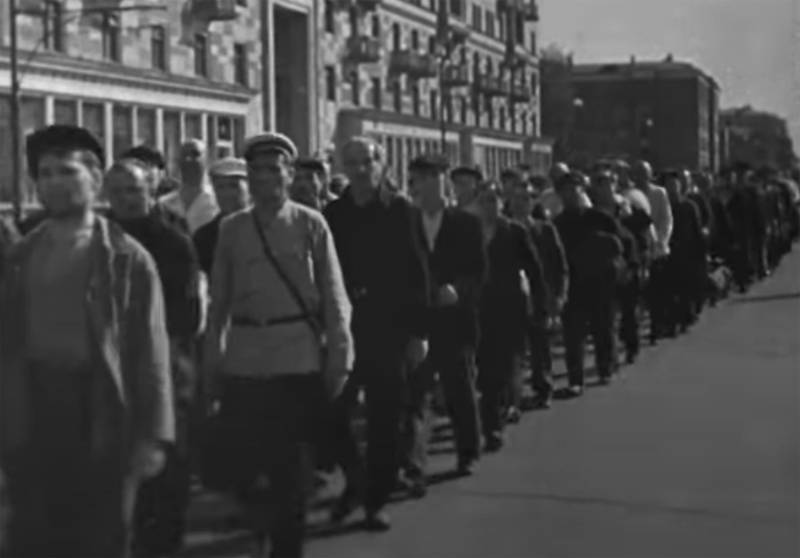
270,142
229,166
145,154
474,172
59,137
312,163
430,162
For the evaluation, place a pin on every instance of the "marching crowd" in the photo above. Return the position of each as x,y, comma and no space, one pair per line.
231,328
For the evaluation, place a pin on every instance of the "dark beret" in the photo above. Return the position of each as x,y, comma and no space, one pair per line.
474,172
311,163
429,163
270,142
59,137
145,154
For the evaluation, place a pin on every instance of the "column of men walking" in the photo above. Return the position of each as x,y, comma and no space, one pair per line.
228,327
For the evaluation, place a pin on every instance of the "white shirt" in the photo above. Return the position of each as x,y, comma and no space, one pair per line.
662,218
200,212
432,223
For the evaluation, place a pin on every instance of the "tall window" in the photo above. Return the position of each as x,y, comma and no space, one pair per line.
502,118
490,24
456,7
355,89
432,44
533,42
520,31
201,55
477,17
415,99
448,107
241,66
434,101
501,26
376,26
414,40
377,97
158,47
330,83
397,93
464,109
396,36
111,35
330,13
52,26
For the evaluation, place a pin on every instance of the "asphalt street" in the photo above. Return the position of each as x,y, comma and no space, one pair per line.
692,452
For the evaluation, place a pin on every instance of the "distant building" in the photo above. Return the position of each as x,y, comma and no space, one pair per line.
758,138
666,112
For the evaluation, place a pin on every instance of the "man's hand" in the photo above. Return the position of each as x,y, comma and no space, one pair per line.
334,383
447,295
148,460
417,351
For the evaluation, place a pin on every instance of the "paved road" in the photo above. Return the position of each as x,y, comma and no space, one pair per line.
693,452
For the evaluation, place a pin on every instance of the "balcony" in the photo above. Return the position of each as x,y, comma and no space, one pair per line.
416,65
455,76
521,93
459,29
213,10
491,86
363,50
517,57
530,10
363,5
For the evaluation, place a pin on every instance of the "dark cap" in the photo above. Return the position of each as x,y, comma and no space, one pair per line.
430,162
145,154
311,163
270,142
475,172
59,137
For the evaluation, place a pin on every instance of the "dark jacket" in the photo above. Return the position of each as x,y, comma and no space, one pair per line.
503,304
205,242
553,259
384,267
459,259
8,237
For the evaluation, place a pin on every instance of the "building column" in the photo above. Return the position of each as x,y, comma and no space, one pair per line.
108,131
49,110
268,63
160,129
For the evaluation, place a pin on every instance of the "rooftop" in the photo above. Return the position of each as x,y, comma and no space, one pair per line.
641,68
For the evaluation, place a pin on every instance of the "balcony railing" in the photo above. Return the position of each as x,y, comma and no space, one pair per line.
492,86
521,93
363,50
214,10
416,65
456,76
363,5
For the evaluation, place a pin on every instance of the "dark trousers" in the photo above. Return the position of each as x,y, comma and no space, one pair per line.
380,368
497,361
457,372
595,316
658,298
66,501
276,424
629,315
541,358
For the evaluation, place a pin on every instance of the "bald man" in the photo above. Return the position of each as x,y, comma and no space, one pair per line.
194,200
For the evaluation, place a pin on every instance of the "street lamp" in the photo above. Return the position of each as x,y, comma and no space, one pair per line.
14,109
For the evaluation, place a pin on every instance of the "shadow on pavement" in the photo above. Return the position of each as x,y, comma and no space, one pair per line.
765,298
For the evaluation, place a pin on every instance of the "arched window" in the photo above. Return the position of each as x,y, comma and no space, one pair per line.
396,36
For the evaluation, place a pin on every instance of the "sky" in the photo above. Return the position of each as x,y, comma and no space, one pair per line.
751,47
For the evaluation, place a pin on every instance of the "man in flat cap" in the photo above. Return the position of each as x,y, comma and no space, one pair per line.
163,501
386,277
86,402
310,186
465,187
194,200
457,266
229,180
276,280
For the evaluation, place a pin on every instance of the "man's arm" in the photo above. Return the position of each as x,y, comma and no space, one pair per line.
559,261
418,292
219,307
475,272
336,308
531,265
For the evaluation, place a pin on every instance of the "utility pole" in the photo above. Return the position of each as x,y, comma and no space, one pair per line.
443,52
16,178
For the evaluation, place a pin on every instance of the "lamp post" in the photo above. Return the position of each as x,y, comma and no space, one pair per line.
14,108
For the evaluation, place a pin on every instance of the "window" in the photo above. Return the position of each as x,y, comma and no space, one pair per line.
415,99
122,125
94,120
490,24
330,83
146,126
502,118
456,7
501,26
448,106
158,47
432,44
66,112
241,67
534,82
52,26
520,31
534,124
464,110
414,40
242,3
397,93
355,89
377,100
330,17
434,101
110,32
533,45
376,26
396,38
477,17
201,55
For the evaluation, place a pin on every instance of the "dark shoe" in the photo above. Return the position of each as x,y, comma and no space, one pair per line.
575,391
542,401
418,487
513,415
344,506
377,521
466,466
604,379
494,442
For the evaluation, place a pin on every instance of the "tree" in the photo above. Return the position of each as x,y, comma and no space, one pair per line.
557,97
